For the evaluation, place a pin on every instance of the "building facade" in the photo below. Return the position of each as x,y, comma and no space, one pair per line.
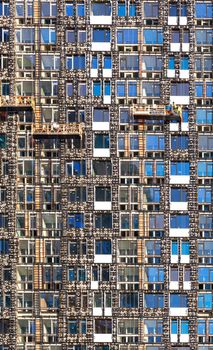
105,219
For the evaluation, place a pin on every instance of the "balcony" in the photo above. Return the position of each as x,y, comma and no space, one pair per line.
55,129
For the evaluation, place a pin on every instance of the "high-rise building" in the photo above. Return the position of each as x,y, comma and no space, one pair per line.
106,173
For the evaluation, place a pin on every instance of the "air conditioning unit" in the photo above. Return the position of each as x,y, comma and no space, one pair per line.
128,75
128,48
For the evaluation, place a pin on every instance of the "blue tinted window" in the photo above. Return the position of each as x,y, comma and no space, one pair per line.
94,62
101,9
185,248
174,248
171,64
178,300
180,168
75,221
154,142
121,9
132,10
153,36
107,62
107,88
184,63
174,327
69,10
179,195
204,195
121,89
205,300
80,10
199,89
154,300
97,88
127,36
179,142
101,35
179,221
203,10
132,89
103,247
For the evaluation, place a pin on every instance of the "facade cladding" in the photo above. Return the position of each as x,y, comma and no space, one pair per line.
106,239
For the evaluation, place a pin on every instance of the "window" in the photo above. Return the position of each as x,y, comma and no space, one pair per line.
80,10
151,62
179,142
203,10
132,9
154,274
121,89
171,63
179,168
179,221
94,62
205,300
48,36
121,9
134,143
185,248
151,10
75,220
129,300
153,301
107,62
154,142
5,88
103,326
3,139
49,88
178,300
153,330
205,248
4,246
203,37
129,168
25,35
69,9
204,195
205,169
4,35
103,247
101,35
130,62
153,36
96,88
154,168
173,10
103,221
124,115
4,8
102,167
151,89
179,194
76,168
101,9
151,195
205,142
101,141
127,36
103,194
184,63
75,62
77,326
101,115
179,89
48,9
48,62
77,194
205,274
